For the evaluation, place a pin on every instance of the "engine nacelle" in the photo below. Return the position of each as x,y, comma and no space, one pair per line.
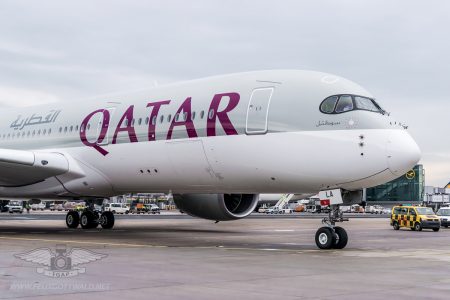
217,207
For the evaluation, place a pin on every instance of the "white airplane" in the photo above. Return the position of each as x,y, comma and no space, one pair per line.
215,143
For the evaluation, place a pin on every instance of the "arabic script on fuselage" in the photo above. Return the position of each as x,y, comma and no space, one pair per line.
327,123
35,119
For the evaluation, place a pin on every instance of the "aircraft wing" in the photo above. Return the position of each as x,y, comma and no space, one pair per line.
19,167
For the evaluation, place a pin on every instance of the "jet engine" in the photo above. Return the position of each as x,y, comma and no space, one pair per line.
217,207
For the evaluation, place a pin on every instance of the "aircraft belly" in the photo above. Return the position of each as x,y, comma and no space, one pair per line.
294,162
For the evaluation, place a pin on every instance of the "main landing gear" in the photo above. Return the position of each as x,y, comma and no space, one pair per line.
89,218
331,236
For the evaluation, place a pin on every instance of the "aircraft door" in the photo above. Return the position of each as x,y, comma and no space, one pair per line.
258,111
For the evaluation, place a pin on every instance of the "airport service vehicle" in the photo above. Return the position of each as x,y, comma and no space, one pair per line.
273,210
300,208
152,208
374,209
117,208
346,209
214,143
387,210
15,207
444,215
263,208
278,210
38,206
56,207
414,217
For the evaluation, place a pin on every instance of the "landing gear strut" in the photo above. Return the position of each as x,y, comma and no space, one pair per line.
331,236
89,218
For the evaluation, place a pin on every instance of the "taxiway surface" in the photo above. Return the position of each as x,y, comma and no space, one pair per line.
256,258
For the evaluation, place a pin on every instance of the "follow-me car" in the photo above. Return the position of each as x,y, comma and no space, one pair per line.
215,143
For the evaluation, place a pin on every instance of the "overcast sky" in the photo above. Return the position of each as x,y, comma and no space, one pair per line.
398,50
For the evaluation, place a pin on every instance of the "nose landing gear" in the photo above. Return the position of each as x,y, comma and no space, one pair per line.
331,236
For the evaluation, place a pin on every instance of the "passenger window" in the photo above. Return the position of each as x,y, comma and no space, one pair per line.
169,117
154,120
140,121
412,212
146,120
202,114
365,103
328,104
345,104
193,115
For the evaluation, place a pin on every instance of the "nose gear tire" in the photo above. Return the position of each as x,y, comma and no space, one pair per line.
342,238
325,238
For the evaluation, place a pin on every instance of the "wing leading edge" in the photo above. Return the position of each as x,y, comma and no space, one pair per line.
19,167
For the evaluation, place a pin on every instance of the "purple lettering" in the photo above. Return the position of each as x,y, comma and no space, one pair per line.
183,113
128,116
102,134
214,113
153,115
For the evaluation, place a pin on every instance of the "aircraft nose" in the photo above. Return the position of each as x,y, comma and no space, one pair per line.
402,152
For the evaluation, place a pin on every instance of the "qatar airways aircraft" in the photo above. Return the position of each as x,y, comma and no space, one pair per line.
214,143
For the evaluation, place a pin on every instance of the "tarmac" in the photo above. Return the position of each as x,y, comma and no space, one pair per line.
176,256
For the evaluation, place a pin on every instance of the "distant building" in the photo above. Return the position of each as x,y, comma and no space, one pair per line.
436,197
408,188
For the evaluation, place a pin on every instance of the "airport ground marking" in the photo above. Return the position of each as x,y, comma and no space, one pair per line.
159,246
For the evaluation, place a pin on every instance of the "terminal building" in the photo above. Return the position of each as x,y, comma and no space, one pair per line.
409,188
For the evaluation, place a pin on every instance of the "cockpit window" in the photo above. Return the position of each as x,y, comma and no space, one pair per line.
365,103
337,104
328,104
345,104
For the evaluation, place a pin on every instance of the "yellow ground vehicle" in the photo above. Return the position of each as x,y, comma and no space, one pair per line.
414,217
80,207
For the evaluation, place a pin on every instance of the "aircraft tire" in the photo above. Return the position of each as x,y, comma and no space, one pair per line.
72,219
88,220
325,238
107,220
342,239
